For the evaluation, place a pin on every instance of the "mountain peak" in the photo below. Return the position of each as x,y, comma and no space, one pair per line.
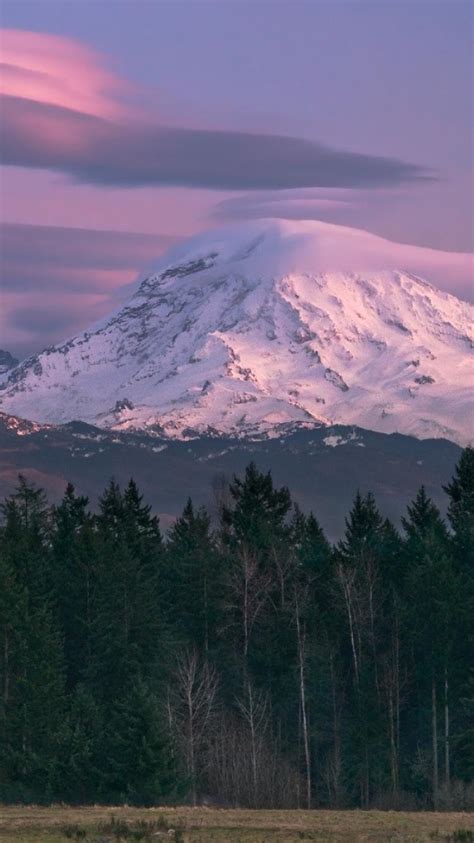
276,246
258,328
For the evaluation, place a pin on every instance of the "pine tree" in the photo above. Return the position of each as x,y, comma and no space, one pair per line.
137,756
313,552
194,575
13,634
432,578
26,531
33,678
423,526
74,576
142,529
80,773
128,628
364,558
258,514
256,535
461,508
461,518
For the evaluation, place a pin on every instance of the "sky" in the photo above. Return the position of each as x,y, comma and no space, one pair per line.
127,125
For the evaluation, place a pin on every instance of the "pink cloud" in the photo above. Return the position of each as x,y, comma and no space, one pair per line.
70,116
40,197
38,320
61,111
57,280
59,71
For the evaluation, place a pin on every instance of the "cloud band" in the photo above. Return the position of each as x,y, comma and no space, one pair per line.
97,151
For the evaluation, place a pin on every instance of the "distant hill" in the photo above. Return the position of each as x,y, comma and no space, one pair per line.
323,467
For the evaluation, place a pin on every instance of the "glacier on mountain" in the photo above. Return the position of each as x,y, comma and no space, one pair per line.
259,328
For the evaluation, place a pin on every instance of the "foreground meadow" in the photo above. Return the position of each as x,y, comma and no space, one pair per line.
62,824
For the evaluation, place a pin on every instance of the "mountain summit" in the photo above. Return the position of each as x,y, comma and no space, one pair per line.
259,328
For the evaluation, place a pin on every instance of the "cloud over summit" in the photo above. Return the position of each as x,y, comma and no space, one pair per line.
62,111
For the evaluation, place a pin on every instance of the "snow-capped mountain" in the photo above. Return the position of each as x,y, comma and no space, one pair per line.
260,328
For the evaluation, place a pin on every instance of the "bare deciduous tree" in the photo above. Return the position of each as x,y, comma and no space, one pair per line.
193,705
249,590
254,709
300,599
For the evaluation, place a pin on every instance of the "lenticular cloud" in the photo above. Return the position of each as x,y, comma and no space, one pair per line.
62,112
58,71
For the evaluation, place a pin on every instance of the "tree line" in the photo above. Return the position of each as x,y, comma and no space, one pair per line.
241,659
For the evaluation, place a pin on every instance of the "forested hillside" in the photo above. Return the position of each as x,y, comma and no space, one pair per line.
244,661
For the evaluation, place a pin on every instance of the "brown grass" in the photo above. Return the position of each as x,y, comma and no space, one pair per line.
62,824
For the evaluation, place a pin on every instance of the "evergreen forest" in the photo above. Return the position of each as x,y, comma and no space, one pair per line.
240,659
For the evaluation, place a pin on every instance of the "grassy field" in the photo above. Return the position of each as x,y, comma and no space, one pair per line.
208,825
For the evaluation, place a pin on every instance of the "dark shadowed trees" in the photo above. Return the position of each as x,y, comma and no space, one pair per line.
246,659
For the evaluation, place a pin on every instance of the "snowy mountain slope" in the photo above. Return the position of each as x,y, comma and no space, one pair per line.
259,328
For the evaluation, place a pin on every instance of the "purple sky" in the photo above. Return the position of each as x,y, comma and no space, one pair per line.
141,122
